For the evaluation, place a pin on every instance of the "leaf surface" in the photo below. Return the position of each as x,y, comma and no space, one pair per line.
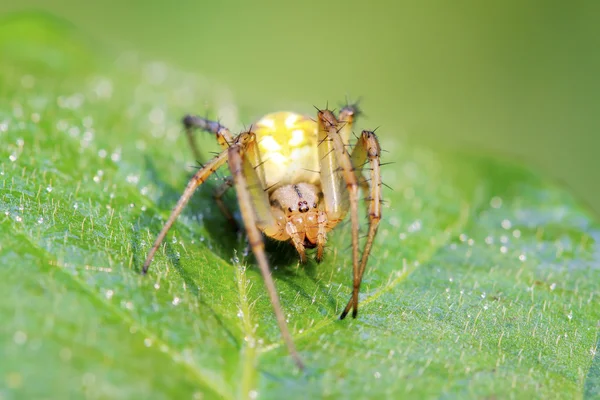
484,280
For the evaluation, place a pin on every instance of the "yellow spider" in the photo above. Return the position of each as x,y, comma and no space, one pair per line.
295,180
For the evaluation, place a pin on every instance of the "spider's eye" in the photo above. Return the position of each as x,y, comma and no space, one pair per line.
315,205
290,209
302,206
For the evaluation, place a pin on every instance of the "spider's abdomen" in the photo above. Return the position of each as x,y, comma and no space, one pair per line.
288,149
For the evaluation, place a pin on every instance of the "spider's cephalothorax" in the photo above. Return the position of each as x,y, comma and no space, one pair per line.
295,180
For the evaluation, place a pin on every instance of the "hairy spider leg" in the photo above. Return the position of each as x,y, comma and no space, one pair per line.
224,138
255,210
329,130
199,177
367,147
192,122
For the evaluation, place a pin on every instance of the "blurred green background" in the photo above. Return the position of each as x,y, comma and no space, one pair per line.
515,78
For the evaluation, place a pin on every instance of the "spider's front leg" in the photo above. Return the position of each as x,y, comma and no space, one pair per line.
191,122
340,185
256,212
199,177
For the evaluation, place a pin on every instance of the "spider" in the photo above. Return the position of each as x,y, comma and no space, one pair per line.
295,180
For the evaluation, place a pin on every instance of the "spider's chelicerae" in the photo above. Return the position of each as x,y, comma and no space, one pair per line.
295,180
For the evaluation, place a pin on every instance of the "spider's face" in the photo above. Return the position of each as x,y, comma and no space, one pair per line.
296,209
296,199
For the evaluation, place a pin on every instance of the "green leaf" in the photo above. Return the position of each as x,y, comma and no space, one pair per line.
484,281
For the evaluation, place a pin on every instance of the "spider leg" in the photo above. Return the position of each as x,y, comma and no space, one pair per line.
346,120
342,163
191,122
199,177
255,210
367,148
218,195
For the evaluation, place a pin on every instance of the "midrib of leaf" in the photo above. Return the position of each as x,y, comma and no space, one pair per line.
211,380
248,349
439,242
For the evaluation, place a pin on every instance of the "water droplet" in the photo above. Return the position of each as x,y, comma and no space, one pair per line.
496,202
415,226
570,316
116,155
489,240
156,286
49,189
377,375
12,157
483,295
74,131
506,224
132,178
522,257
517,233
503,249
147,342
20,337
176,301
553,286
156,116
40,220
103,88
102,153
253,394
109,294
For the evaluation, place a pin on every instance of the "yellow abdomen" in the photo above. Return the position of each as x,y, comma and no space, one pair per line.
287,143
